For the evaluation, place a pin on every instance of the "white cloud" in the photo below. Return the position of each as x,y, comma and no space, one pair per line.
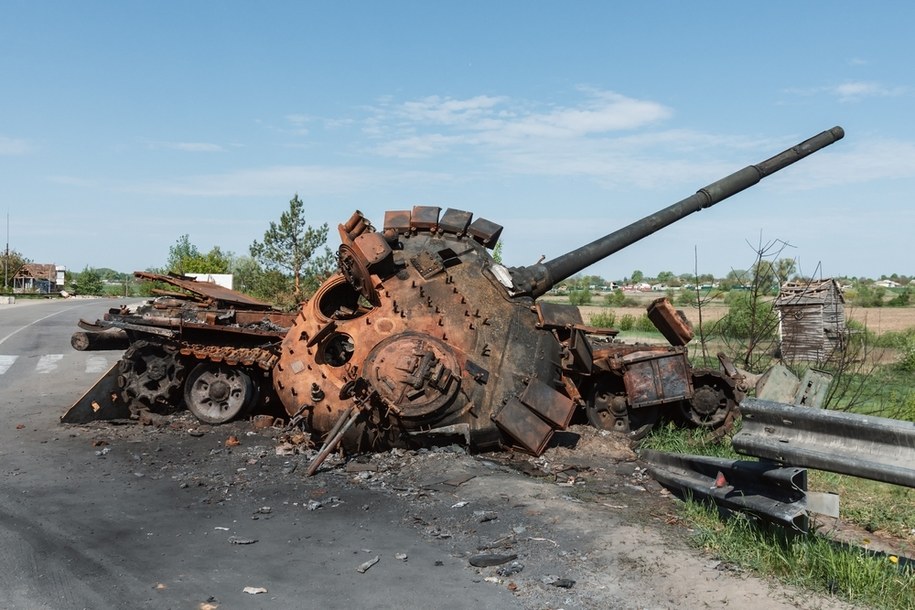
436,125
15,147
852,91
856,90
446,111
195,147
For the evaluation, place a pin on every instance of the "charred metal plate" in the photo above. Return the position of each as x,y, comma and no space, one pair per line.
672,323
428,264
552,406
373,247
524,426
579,353
425,217
397,221
653,378
479,374
558,315
205,289
485,231
455,221
101,401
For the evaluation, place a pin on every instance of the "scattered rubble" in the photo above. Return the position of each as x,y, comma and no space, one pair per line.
364,567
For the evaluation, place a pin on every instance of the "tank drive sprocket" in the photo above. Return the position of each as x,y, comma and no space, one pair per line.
607,408
714,398
150,376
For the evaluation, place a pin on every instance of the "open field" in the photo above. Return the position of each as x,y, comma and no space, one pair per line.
878,319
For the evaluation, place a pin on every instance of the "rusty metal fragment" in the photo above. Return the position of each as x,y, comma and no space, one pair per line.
672,323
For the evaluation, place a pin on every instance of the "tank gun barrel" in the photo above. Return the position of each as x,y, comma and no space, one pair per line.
536,280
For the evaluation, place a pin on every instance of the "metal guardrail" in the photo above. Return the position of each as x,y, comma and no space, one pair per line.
767,490
863,446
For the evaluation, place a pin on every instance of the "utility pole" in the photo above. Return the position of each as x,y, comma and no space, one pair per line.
6,259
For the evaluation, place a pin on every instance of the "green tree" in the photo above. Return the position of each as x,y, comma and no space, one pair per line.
497,252
665,277
11,264
184,257
735,277
637,276
87,282
292,245
270,285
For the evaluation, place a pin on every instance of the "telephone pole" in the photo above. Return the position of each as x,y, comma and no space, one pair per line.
6,259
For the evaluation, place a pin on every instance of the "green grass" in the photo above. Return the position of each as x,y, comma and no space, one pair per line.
887,391
670,438
808,561
875,506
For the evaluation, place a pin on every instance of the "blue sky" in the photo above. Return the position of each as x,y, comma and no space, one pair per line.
124,125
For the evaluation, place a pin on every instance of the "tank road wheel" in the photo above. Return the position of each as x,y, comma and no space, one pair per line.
608,409
217,393
150,375
714,397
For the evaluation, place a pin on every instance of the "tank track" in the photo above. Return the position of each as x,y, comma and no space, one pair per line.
233,356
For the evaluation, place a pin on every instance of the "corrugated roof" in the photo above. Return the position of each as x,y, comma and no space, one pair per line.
39,271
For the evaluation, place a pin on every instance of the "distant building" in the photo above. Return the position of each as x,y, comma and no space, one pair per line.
220,279
39,278
811,319
886,284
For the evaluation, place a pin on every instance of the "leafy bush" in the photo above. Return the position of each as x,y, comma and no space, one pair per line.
580,297
907,361
686,297
627,322
902,298
644,324
748,318
615,298
604,319
867,296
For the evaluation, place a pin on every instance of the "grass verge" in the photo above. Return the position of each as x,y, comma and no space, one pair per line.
808,561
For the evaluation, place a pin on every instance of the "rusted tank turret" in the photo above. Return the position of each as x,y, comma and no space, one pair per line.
423,333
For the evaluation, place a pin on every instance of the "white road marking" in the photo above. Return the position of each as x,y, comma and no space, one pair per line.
97,364
6,362
48,363
50,315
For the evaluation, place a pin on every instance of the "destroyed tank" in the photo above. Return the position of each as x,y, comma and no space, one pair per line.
195,344
423,334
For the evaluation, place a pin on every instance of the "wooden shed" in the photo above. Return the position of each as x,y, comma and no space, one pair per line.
811,319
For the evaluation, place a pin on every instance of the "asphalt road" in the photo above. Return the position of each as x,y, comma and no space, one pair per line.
129,516
148,519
